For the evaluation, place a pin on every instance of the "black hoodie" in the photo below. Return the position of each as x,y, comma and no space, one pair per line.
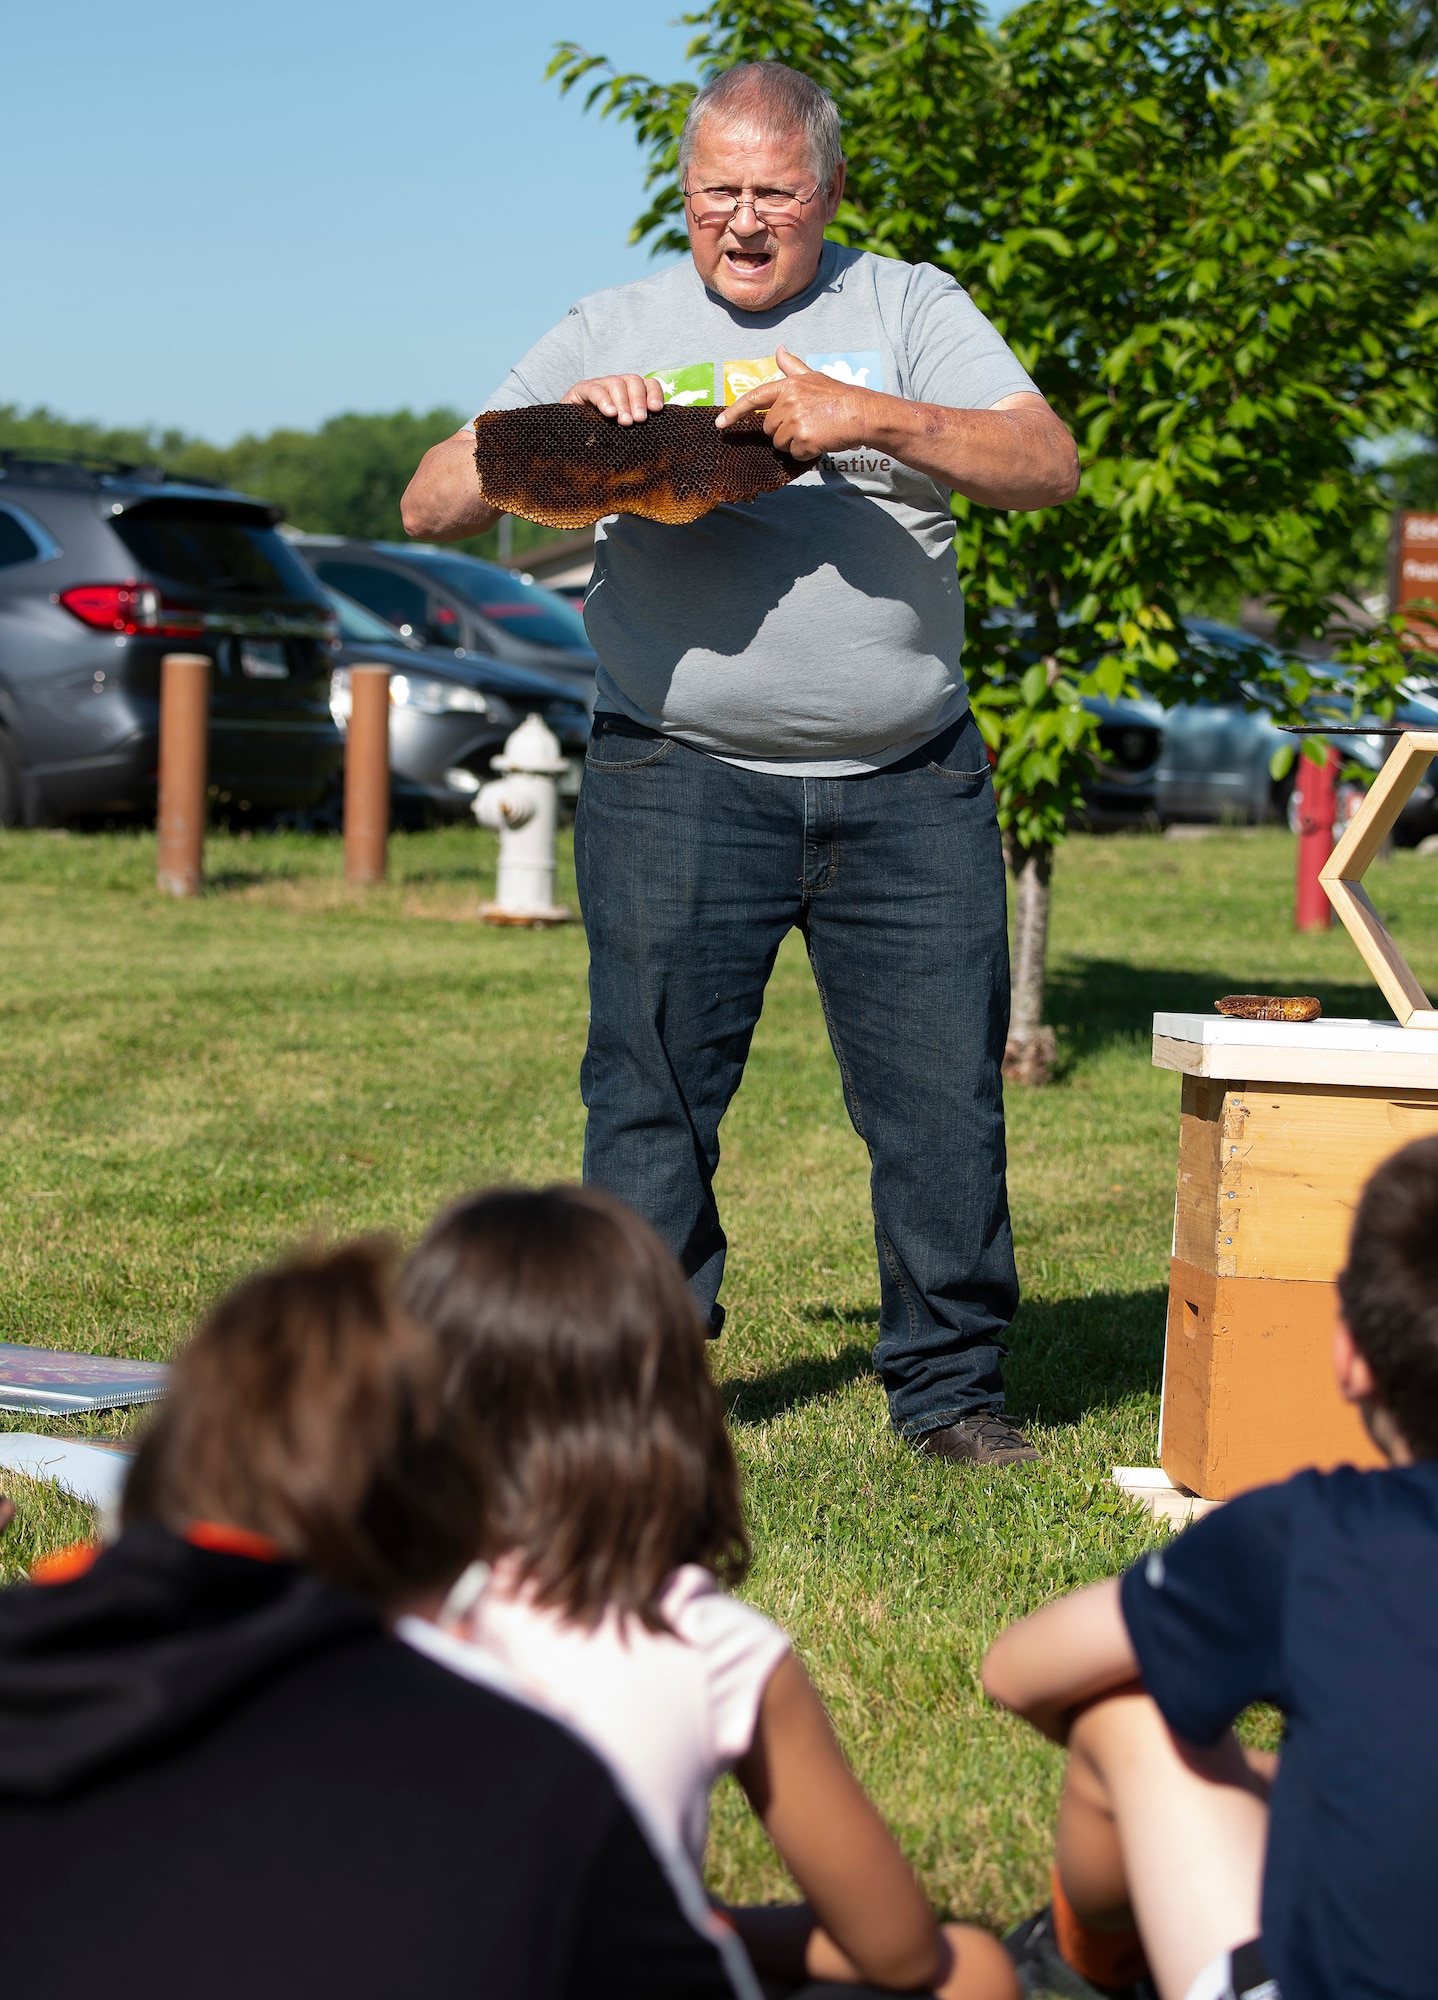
221,1777
155,1641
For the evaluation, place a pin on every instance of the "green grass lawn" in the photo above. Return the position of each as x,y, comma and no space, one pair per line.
187,1089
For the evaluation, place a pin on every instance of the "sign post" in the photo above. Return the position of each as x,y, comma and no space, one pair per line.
1316,795
1413,575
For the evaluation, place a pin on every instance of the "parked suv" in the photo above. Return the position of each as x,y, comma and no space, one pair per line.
448,716
448,599
105,568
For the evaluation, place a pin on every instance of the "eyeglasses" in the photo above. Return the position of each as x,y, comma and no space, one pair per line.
718,204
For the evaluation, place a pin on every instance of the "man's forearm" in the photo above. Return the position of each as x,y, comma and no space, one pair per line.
1018,458
442,502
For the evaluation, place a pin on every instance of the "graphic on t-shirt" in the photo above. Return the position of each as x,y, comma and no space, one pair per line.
693,385
862,370
742,376
861,367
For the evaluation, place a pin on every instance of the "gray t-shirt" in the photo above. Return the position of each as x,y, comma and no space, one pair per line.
815,631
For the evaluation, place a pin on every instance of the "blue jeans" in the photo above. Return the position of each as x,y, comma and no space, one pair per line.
691,873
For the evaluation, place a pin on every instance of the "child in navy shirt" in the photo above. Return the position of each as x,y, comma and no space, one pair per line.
1308,1877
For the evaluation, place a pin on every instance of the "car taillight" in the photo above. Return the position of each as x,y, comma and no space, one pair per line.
131,607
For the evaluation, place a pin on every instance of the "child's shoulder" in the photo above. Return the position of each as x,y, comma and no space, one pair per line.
728,1632
1317,1525
698,1607
1400,1499
1308,1526
737,1646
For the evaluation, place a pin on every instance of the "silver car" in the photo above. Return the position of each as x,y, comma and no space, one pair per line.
1213,758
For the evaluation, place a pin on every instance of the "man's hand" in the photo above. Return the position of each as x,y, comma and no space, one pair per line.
627,398
1017,456
808,413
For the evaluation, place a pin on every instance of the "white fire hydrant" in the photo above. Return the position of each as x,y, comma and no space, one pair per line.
524,806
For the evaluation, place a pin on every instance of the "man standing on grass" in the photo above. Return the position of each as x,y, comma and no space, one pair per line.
783,735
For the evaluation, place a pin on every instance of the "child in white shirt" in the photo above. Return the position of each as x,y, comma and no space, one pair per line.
670,1718
615,1518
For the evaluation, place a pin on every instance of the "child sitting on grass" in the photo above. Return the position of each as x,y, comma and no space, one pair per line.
614,1518
222,1775
1319,1595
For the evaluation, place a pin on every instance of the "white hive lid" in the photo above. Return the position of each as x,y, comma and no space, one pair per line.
1366,1054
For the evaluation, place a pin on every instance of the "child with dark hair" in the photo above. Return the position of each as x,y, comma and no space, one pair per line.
1320,1596
310,1414
222,1773
614,1521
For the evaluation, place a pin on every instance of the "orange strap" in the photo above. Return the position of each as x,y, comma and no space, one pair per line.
65,1564
68,1563
224,1540
1104,1958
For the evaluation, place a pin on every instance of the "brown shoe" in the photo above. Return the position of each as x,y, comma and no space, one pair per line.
983,1439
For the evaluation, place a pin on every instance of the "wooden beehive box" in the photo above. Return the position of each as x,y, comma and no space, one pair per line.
1281,1125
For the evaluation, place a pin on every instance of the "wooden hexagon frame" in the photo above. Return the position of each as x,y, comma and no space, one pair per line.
1342,877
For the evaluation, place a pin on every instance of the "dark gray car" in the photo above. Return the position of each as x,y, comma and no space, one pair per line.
457,602
103,570
449,716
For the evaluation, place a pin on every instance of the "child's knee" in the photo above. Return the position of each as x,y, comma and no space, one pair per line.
980,1968
1115,1730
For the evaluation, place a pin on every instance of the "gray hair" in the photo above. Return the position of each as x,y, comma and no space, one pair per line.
774,100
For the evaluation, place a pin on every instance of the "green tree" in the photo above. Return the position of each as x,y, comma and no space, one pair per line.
1204,226
345,478
40,429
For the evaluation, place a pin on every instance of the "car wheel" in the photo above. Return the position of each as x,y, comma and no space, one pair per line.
10,805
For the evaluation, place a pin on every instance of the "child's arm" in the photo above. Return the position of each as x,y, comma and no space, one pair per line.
1049,1664
787,1946
862,1891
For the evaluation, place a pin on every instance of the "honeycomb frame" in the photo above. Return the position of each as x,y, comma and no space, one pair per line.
566,465
1342,878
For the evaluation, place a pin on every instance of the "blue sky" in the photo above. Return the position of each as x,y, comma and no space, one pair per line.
234,217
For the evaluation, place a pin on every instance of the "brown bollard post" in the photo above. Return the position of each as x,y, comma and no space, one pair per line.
367,776
184,755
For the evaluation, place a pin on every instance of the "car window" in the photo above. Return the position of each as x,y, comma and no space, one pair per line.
1231,647
399,600
212,548
17,545
356,623
526,609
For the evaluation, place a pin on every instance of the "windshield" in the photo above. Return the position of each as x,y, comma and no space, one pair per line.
358,624
526,609
213,547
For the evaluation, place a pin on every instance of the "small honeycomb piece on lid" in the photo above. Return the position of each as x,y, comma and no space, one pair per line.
566,466
1270,1006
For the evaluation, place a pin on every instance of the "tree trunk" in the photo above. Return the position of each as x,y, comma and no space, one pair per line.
1029,1054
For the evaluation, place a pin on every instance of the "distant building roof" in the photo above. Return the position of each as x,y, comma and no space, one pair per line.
563,564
